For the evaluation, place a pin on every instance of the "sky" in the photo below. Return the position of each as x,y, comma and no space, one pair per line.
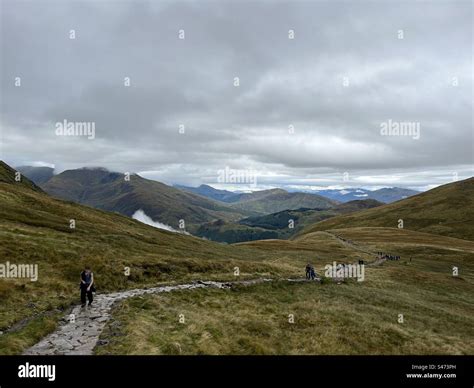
300,94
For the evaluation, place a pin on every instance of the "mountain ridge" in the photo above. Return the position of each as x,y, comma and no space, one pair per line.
446,210
113,192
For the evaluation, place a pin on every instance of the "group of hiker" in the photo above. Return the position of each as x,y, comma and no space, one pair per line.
387,256
310,272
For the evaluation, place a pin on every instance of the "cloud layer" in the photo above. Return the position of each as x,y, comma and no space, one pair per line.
306,109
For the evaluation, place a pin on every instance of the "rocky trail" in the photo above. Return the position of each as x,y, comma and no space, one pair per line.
79,331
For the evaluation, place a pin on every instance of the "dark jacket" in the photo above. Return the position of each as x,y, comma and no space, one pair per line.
87,279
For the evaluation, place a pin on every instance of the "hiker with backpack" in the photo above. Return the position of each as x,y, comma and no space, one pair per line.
87,286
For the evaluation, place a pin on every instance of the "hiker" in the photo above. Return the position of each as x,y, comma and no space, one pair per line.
312,273
308,271
87,286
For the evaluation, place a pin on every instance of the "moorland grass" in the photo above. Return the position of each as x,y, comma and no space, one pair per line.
329,318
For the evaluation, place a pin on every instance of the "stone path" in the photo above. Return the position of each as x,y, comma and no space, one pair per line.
79,331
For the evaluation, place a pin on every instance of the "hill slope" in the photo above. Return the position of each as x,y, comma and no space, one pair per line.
39,175
8,175
110,191
275,200
276,225
446,210
35,229
211,192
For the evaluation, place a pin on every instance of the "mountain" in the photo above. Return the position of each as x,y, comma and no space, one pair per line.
234,232
263,201
211,192
110,191
38,175
275,200
35,229
386,195
277,225
391,194
446,210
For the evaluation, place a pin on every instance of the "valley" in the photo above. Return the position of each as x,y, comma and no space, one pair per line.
415,305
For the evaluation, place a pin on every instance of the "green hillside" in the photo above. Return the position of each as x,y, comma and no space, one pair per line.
8,175
348,318
276,225
447,210
276,200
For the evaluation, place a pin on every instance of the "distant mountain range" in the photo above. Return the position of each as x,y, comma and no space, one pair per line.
385,195
216,214
107,190
275,200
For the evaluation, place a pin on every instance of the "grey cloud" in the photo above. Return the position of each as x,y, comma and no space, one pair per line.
283,82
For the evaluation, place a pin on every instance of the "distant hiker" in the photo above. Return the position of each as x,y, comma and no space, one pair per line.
87,286
308,271
312,273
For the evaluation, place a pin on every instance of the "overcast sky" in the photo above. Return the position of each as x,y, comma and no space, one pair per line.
349,69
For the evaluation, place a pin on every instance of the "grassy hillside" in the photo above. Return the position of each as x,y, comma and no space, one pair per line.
35,229
329,318
233,232
447,210
211,192
110,191
8,175
276,225
275,200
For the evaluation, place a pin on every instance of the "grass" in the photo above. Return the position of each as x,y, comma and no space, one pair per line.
34,229
350,318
